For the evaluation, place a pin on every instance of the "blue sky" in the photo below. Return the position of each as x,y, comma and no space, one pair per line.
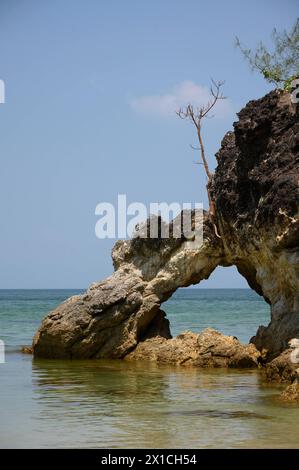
89,91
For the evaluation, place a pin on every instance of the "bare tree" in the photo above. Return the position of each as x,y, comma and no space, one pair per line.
195,115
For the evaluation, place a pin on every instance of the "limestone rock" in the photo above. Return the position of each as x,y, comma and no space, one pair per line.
207,349
282,369
257,195
291,393
255,188
26,350
112,316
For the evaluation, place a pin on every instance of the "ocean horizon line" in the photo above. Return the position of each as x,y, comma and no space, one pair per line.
85,288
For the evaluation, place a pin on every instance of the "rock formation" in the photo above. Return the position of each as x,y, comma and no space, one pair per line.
255,188
291,393
282,369
256,192
207,349
112,316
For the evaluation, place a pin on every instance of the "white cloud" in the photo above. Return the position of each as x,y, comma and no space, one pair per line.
182,94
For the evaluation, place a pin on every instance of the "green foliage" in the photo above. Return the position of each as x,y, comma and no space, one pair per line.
281,66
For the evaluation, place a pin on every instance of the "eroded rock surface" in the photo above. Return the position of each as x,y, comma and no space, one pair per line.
255,188
207,349
112,316
282,368
256,192
291,393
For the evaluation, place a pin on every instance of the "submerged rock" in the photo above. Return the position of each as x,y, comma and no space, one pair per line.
282,369
255,188
26,350
206,349
291,393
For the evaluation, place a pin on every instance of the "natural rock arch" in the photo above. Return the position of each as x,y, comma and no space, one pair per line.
115,314
255,188
224,301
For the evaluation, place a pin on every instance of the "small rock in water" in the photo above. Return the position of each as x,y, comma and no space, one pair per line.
291,393
26,350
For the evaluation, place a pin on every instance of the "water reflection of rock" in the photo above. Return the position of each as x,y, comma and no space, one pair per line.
152,406
96,379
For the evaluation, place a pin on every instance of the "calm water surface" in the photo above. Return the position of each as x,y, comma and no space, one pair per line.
113,404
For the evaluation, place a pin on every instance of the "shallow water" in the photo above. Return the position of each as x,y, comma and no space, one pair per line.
113,404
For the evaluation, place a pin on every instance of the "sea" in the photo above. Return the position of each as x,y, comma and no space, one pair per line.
119,404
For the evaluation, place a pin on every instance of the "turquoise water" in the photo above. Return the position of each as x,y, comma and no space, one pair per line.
236,312
113,404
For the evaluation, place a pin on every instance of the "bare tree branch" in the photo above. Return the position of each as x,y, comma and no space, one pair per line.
195,116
